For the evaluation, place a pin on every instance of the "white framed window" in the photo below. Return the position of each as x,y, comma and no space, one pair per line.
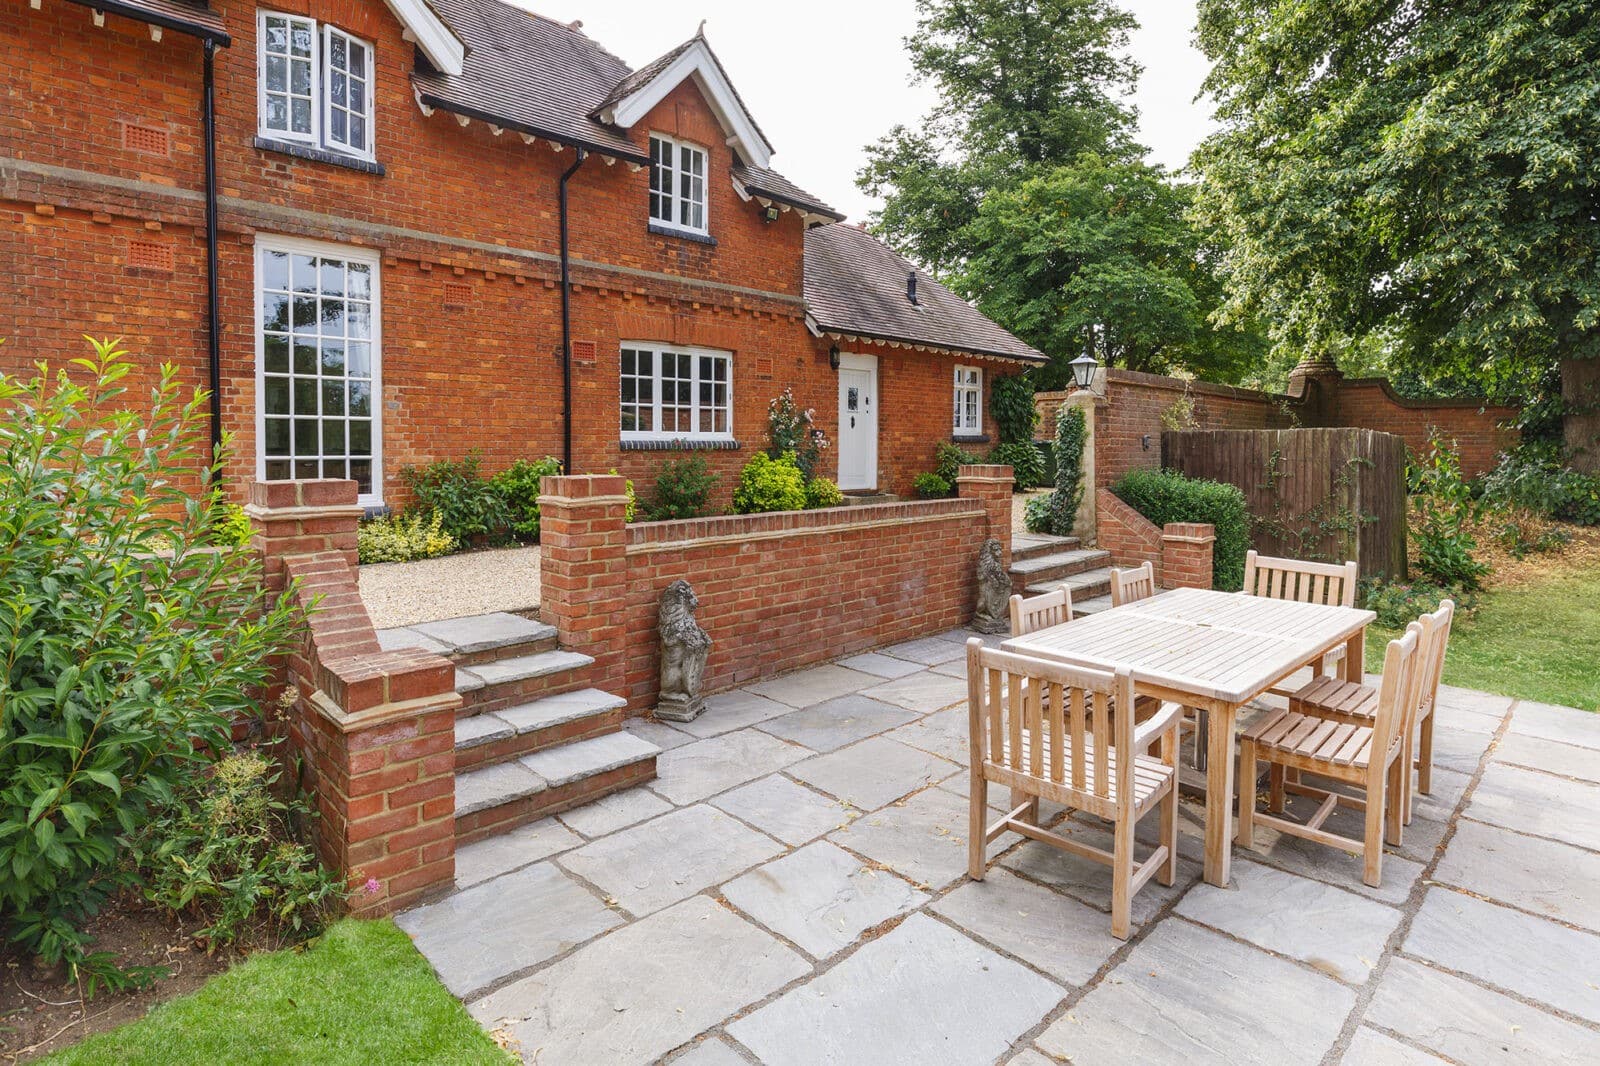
968,400
318,363
673,393
315,86
677,184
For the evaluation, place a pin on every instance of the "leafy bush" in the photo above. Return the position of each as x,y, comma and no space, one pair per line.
124,670
1036,513
793,429
402,538
1397,605
518,488
1442,510
455,490
767,484
225,847
820,492
1165,496
1072,434
230,526
930,486
683,490
1011,404
948,461
1027,465
1536,481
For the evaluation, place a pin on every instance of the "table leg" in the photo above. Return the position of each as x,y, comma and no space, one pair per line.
1219,795
1355,655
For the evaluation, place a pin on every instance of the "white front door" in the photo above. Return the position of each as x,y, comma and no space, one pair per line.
858,422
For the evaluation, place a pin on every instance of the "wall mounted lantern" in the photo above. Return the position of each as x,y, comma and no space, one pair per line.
833,357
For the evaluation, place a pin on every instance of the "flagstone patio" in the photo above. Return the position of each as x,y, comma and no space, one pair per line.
792,890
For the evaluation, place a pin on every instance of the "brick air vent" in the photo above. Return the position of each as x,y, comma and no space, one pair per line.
150,140
458,296
583,353
148,255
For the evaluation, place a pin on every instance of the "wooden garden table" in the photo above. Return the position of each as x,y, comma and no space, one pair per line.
1211,650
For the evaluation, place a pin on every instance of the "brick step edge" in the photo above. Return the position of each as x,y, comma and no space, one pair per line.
492,821
1022,550
549,642
559,672
1088,585
1060,564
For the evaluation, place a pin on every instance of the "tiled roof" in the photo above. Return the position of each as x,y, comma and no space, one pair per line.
641,77
855,284
183,16
758,181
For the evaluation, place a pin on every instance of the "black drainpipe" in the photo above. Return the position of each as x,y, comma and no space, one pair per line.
209,122
566,322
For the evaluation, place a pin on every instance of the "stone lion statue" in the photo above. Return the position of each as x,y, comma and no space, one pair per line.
994,590
684,647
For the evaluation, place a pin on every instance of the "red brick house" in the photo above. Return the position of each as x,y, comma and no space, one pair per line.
389,232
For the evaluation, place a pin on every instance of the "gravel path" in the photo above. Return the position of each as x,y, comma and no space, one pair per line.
428,590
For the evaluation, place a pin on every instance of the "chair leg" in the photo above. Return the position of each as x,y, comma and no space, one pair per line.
1276,775
977,846
1372,840
1425,758
1395,799
1169,810
1122,877
1247,792
1402,778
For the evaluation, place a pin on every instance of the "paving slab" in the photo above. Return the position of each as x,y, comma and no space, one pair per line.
1448,788
922,692
1188,995
924,839
1459,749
490,786
727,711
616,811
929,651
1532,802
821,897
484,632
1532,957
711,1052
1372,1048
559,709
1030,1057
920,994
1088,880
1337,867
1472,1025
1537,753
1542,876
831,724
886,666
640,992
944,733
778,806
1550,722
648,866
479,729
523,667
706,767
1066,939
1338,932
1467,699
477,936
574,761
512,850
873,772
660,734
805,687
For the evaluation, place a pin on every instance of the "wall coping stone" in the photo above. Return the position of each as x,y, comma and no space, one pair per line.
731,529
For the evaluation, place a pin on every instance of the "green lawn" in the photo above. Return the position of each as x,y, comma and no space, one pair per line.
1537,640
360,995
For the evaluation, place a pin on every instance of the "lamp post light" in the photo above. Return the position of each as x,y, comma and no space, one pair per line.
1083,369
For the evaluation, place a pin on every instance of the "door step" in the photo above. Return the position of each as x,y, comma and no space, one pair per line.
1085,586
1055,566
1033,545
498,736
504,795
506,682
475,638
1093,605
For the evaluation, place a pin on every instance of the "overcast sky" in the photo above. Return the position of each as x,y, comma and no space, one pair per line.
826,77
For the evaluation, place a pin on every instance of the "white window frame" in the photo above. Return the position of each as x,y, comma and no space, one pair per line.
330,31
962,387
673,195
321,100
695,353
349,253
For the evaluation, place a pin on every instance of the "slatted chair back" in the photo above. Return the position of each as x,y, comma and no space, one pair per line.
1397,694
1036,612
1128,586
1047,729
1431,667
1333,584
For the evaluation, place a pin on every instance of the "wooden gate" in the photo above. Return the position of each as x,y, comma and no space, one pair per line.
1315,494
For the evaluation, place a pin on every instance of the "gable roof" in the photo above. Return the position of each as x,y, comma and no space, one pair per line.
765,184
855,285
192,17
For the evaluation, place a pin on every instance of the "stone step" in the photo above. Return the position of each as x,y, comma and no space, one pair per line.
1092,605
492,799
1055,566
497,736
1033,545
475,638
506,682
1085,586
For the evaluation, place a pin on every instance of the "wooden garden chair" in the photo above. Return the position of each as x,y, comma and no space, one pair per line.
1046,731
1036,612
1372,757
1129,586
1333,699
1291,579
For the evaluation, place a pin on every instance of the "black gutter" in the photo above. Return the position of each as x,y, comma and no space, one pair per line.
800,205
626,155
213,314
566,321
955,349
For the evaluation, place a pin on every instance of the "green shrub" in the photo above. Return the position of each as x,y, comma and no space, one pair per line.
949,459
1027,465
518,488
231,526
468,506
1442,510
767,484
1036,513
402,538
124,671
1165,496
683,490
1536,481
1398,604
793,429
930,486
820,492
1072,434
1011,403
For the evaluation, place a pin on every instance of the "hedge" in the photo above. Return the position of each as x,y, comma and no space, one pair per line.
1165,496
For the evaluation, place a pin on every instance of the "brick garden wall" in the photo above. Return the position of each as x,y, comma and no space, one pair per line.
1479,433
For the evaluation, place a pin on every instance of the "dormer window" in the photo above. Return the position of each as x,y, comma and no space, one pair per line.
315,85
677,184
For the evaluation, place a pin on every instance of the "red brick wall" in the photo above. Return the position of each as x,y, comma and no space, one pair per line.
1180,552
1479,432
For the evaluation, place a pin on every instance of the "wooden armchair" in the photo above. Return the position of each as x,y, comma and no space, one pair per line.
1290,579
1370,756
1048,731
1036,612
1128,586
